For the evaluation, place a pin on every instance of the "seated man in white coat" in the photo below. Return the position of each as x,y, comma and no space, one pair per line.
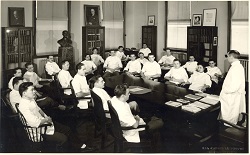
199,81
64,77
151,70
167,60
232,95
133,67
51,67
145,50
112,65
177,74
17,73
81,86
191,65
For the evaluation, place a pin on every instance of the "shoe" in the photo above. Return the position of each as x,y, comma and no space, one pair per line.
88,149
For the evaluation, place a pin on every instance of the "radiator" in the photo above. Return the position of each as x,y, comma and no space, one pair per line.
244,63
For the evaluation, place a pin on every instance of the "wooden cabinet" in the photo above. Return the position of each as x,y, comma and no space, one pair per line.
17,49
93,36
149,36
202,42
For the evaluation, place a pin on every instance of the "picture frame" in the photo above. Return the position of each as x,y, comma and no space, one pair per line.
151,20
92,15
16,16
209,17
197,20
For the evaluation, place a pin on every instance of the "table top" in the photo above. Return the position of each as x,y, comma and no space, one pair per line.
157,98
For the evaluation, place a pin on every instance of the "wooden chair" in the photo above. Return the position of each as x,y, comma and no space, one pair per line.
35,135
62,98
120,141
235,136
101,122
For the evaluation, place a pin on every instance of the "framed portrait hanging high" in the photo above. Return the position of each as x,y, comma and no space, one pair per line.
92,15
16,17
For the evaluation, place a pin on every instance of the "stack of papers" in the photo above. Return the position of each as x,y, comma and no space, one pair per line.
191,108
182,101
173,104
192,97
209,101
200,105
214,97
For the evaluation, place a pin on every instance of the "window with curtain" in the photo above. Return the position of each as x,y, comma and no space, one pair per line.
113,21
51,20
178,20
239,26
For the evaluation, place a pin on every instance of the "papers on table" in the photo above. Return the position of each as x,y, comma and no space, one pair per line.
200,105
173,104
83,104
191,108
201,94
135,89
183,101
192,97
141,122
209,101
214,97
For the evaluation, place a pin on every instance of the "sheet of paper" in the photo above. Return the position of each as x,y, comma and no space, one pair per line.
209,101
83,104
173,103
135,89
191,108
201,105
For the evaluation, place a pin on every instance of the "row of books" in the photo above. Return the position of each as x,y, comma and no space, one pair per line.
14,58
93,37
22,48
92,44
15,33
15,40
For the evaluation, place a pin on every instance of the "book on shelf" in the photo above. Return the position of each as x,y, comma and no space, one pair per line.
192,97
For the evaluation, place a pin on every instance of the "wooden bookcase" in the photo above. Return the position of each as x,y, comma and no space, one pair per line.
17,49
202,42
149,36
93,36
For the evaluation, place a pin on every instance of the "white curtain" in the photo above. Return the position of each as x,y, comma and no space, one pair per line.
239,26
178,20
52,19
113,21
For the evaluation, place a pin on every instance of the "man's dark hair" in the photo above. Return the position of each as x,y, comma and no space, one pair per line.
211,60
24,86
27,64
16,69
16,80
176,60
93,80
140,53
120,90
89,56
64,61
79,66
94,49
132,54
151,54
120,47
234,53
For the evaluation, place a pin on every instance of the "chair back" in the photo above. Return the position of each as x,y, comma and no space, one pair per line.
74,99
34,134
99,113
116,128
5,99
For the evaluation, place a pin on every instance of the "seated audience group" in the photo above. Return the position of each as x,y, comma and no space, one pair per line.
35,97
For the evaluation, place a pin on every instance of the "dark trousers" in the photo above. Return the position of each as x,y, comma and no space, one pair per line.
64,137
108,74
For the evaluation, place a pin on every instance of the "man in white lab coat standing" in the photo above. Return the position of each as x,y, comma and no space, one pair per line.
232,96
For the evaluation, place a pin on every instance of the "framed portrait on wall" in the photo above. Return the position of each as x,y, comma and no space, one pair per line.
92,15
209,17
196,19
16,16
151,20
